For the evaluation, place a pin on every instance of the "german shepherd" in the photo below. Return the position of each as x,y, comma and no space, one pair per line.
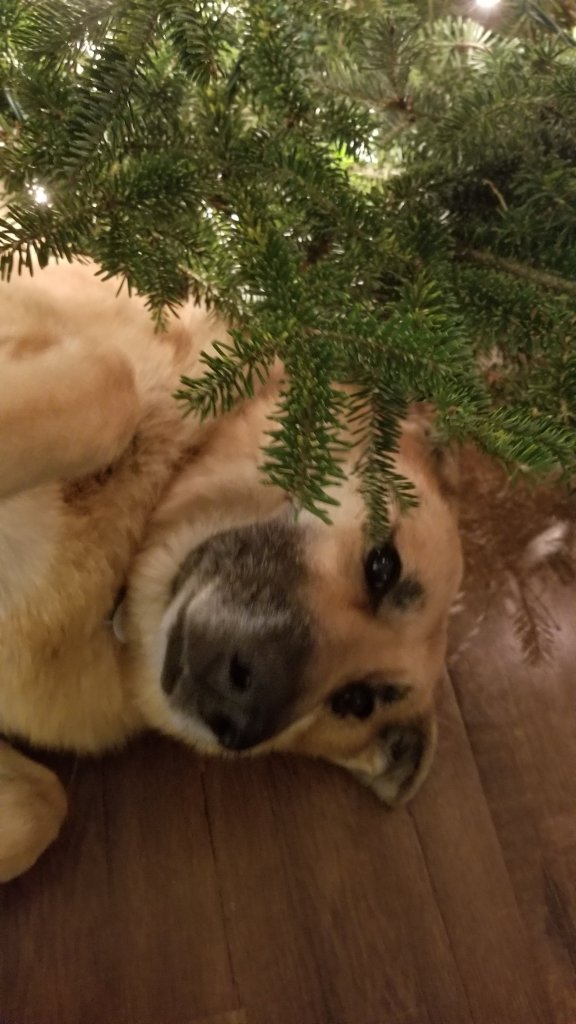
151,578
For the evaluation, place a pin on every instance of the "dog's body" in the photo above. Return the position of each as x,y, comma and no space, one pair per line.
243,627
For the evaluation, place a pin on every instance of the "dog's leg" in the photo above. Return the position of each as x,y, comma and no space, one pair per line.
64,413
32,809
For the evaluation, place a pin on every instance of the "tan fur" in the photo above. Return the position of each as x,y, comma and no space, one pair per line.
32,808
102,482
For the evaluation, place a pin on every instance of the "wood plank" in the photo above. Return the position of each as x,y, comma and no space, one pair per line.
472,885
514,649
521,723
331,914
235,1017
50,963
162,875
121,921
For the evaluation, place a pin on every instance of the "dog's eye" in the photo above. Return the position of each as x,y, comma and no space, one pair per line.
382,569
356,699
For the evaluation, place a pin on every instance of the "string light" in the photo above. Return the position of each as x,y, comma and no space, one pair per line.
39,194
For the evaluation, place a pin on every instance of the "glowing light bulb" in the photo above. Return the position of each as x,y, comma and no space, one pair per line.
39,194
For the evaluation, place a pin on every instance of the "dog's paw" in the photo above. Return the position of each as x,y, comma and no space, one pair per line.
397,765
32,808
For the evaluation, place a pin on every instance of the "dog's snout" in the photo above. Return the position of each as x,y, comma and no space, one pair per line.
237,652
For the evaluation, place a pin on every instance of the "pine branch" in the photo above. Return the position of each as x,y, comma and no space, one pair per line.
352,187
539,277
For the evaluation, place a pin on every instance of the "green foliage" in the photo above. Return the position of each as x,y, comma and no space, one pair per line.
383,196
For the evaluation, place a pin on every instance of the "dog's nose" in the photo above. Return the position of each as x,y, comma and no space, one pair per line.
240,683
231,734
240,674
242,695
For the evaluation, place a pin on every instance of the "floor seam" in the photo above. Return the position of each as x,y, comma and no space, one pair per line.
438,903
206,811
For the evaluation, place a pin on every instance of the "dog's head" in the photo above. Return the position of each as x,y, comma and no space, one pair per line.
279,632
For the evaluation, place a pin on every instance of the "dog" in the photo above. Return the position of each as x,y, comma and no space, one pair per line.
150,577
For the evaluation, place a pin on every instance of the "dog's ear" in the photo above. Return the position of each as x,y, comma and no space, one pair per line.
399,761
443,456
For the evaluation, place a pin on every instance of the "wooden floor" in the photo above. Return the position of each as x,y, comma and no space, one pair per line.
280,892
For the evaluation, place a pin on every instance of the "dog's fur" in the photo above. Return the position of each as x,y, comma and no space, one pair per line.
238,612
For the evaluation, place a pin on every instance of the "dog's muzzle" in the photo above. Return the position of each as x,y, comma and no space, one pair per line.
237,648
242,692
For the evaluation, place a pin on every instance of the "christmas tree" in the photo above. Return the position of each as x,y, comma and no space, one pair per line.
382,195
